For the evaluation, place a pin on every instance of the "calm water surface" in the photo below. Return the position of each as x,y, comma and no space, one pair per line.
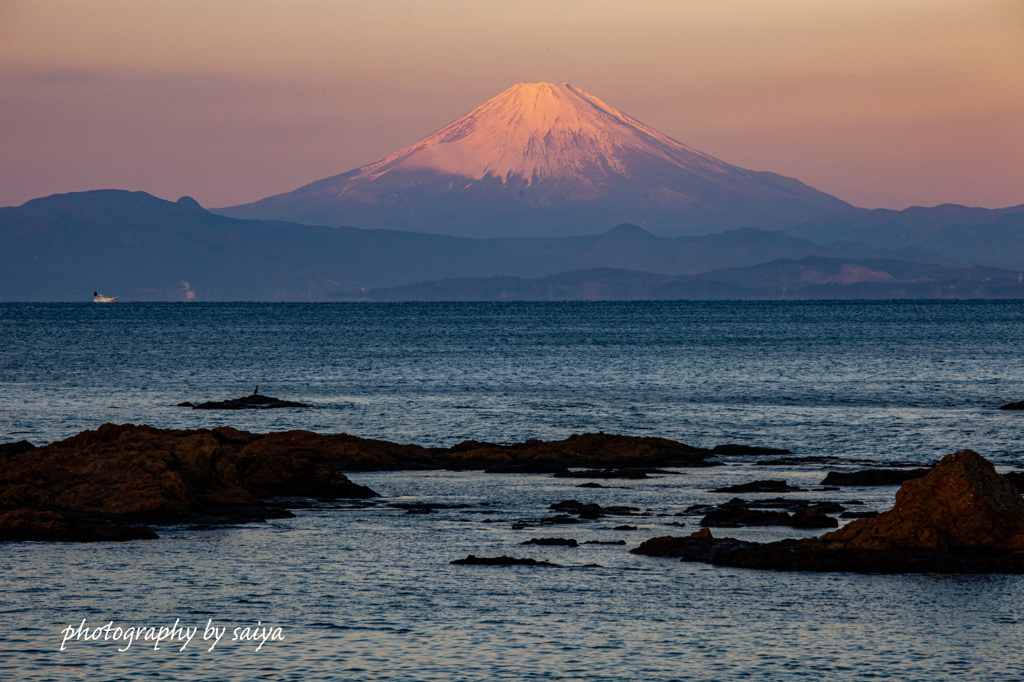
367,593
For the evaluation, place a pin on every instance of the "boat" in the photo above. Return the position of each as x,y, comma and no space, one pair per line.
100,298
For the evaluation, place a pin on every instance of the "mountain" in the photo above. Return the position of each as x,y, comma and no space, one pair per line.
813,277
888,229
139,247
547,160
1000,243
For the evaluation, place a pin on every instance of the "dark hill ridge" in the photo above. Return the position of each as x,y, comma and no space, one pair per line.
916,226
139,247
813,277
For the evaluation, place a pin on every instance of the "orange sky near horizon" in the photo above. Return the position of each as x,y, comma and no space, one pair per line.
883,104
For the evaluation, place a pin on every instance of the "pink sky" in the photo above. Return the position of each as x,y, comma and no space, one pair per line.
883,104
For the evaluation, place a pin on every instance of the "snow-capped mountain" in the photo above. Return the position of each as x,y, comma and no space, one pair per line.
542,159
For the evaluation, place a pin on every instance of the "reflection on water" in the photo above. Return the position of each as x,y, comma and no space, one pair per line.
368,594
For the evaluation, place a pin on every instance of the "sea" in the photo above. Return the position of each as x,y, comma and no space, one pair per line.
365,591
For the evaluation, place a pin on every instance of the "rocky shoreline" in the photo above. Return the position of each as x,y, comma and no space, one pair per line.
118,482
960,517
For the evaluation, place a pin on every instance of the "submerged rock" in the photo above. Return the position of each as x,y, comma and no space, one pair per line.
48,526
526,468
249,402
500,561
590,511
554,542
812,518
628,473
734,516
873,477
759,487
733,450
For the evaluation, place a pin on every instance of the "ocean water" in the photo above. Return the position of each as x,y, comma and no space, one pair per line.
366,592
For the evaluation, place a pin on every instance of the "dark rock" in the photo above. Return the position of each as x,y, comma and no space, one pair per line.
590,511
858,515
873,477
734,516
590,450
36,525
961,517
584,511
138,474
590,485
16,448
611,473
605,542
624,528
185,404
797,461
526,468
1013,406
791,505
733,450
759,487
962,502
1014,477
499,561
558,520
555,542
428,505
271,475
810,518
249,402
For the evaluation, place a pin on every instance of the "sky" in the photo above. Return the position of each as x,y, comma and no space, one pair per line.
885,104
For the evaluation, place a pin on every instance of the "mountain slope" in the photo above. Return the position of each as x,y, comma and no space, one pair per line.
542,159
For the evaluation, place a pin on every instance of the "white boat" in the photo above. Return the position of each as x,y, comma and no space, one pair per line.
100,298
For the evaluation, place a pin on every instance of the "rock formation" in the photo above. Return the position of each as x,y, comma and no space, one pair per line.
962,502
961,517
500,561
873,477
138,474
590,450
249,402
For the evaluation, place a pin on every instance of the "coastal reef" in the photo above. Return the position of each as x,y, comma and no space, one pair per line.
112,483
248,402
960,517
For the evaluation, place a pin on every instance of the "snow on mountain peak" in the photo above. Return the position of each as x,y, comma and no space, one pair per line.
545,159
542,131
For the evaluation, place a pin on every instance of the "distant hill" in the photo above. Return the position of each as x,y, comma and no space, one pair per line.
547,160
813,277
139,247
886,229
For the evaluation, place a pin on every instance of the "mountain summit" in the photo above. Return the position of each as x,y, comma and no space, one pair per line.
542,159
